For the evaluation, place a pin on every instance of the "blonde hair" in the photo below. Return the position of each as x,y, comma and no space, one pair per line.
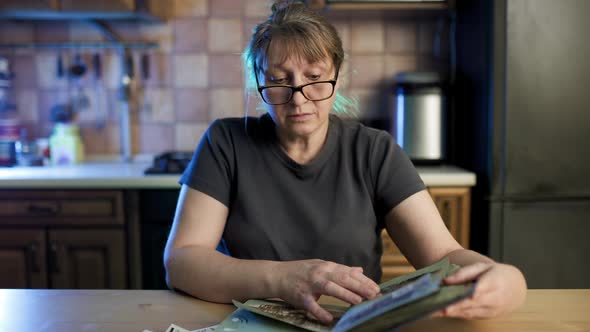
301,32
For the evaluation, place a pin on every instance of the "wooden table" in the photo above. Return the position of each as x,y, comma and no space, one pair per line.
136,310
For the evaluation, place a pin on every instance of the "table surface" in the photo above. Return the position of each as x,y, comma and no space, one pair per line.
155,310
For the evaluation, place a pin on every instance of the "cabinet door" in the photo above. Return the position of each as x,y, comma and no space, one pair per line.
454,206
87,259
22,259
453,203
393,262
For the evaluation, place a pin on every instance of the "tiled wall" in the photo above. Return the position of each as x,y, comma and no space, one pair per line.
196,72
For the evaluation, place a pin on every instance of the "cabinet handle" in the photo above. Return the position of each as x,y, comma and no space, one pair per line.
53,258
33,259
45,210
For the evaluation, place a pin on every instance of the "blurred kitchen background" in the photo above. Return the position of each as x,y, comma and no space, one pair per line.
194,74
513,119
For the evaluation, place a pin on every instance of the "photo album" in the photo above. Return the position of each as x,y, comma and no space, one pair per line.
403,299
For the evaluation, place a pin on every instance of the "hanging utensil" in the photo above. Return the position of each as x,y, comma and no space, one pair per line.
99,113
80,101
59,66
145,76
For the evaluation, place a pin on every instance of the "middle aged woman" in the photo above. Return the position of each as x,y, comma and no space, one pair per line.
300,196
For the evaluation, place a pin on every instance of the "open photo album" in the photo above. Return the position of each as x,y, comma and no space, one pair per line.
403,299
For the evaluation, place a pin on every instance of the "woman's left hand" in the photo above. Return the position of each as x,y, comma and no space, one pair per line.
500,288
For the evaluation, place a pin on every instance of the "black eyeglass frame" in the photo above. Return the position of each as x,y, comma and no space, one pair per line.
295,88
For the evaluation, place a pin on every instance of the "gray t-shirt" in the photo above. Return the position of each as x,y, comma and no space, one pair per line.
332,208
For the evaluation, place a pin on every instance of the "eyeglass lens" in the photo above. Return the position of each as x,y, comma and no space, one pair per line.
314,92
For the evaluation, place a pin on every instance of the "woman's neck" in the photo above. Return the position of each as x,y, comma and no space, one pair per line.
303,149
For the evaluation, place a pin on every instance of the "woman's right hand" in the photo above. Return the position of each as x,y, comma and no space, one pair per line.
301,283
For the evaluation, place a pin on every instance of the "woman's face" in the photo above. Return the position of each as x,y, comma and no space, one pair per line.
300,117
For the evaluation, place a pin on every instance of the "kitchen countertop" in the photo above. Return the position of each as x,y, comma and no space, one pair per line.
119,175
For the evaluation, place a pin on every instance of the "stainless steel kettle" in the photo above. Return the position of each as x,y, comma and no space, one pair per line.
420,117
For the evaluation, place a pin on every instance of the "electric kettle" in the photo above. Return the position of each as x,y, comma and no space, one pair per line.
420,116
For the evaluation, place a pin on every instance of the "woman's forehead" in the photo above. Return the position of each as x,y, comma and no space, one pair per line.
282,54
295,62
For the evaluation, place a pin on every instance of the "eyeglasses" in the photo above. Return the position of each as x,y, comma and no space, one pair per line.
282,94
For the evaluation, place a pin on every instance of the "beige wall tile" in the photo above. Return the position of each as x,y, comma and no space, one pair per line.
162,33
84,32
190,8
343,28
16,32
156,138
46,70
395,64
25,72
249,24
188,135
225,71
191,104
226,103
161,109
112,135
46,100
52,31
367,36
93,113
191,71
367,69
226,8
27,105
258,8
400,37
125,30
93,140
225,35
190,35
160,70
112,70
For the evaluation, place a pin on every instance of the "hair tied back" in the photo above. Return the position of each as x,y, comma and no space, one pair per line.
279,5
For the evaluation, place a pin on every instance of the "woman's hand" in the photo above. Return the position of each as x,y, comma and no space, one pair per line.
301,283
500,288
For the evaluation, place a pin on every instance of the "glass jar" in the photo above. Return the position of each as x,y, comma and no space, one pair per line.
65,145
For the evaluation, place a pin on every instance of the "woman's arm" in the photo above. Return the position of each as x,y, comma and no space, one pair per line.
192,262
418,230
194,266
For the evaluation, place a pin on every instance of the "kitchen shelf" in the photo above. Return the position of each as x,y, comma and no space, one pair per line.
83,45
380,6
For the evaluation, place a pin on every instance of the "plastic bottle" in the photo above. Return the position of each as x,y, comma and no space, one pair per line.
65,145
9,124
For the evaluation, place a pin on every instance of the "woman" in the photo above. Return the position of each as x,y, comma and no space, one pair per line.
300,196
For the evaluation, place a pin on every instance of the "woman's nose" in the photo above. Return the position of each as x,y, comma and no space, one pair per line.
298,98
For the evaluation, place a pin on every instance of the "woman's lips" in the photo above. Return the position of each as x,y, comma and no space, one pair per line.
299,117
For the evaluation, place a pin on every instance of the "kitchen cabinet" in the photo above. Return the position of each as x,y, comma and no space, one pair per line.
453,204
63,239
84,9
21,254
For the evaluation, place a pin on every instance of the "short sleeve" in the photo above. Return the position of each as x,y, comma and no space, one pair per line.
210,170
395,177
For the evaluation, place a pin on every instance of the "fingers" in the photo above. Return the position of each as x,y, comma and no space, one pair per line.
367,287
468,273
312,307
